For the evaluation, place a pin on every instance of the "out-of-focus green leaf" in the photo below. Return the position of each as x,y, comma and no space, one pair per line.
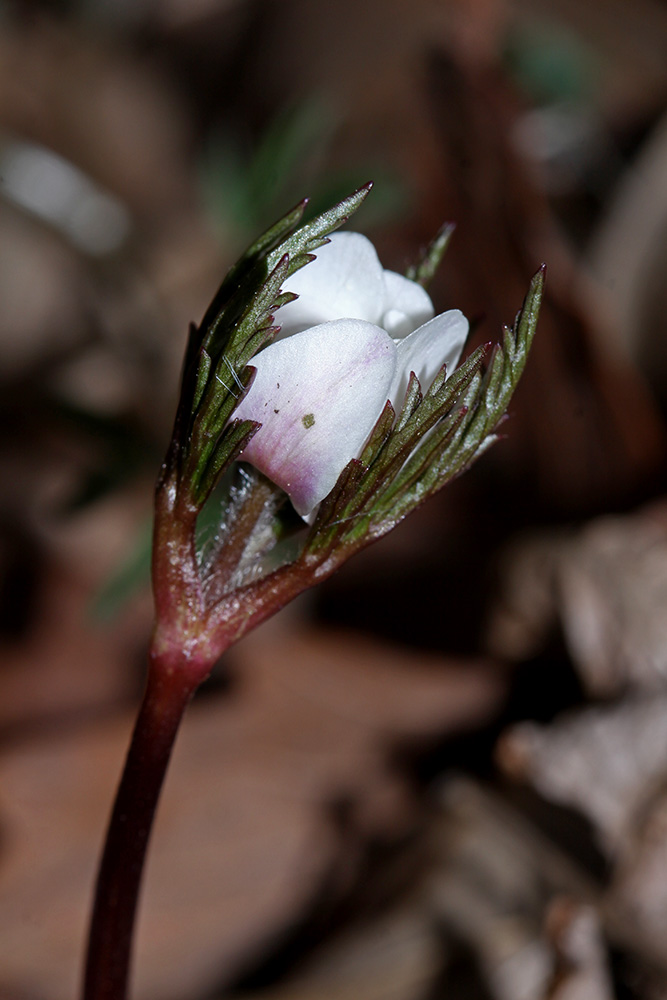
133,574
550,63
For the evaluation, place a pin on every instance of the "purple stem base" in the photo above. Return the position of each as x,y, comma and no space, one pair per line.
110,939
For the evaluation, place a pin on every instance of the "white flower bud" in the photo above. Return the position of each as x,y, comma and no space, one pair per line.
346,345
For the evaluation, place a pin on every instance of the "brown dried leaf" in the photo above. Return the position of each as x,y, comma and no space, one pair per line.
584,426
637,897
96,105
606,762
243,844
607,585
581,971
496,877
395,957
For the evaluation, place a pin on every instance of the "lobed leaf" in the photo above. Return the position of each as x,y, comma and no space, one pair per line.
237,324
424,270
433,439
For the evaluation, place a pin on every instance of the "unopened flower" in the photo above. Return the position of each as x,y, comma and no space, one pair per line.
347,344
316,420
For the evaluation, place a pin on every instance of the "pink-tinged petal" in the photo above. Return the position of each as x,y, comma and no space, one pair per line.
344,281
424,352
407,305
317,395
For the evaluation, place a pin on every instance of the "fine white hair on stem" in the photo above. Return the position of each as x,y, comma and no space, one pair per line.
231,391
233,372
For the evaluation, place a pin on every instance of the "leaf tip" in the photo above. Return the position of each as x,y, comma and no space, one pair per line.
539,278
356,199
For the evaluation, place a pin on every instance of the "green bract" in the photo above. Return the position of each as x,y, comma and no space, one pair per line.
423,426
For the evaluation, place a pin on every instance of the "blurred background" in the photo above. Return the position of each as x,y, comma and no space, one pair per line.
444,773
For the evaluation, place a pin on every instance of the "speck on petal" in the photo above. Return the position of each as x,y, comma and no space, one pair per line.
344,281
407,305
424,352
329,384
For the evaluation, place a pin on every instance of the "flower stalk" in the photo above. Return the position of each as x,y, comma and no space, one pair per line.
168,691
352,418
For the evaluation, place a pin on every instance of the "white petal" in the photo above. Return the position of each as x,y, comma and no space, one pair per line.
317,395
407,305
344,282
424,352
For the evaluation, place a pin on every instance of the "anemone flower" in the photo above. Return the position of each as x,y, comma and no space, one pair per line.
346,345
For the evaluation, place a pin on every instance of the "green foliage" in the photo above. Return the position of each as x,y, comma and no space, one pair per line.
424,270
437,433
244,184
130,577
550,63
434,438
238,323
242,187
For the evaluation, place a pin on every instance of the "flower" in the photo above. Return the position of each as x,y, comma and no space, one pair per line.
346,345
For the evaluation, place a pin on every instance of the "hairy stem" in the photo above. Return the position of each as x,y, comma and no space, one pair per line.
260,499
168,692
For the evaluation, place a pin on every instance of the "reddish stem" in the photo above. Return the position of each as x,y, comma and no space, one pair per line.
246,608
187,640
168,692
